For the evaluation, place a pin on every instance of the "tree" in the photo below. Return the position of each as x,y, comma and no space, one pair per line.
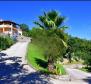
24,27
50,20
54,50
68,54
81,49
54,22
52,35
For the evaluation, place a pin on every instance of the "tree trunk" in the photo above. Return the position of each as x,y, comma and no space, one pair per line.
50,66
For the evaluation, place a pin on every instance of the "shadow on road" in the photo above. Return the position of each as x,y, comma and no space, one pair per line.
88,80
14,73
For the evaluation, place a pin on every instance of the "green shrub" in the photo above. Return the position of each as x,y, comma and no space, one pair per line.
5,42
60,69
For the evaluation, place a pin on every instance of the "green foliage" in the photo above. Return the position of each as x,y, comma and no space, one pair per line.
50,20
50,36
25,29
55,49
5,42
50,41
86,69
81,49
87,59
38,61
35,57
60,69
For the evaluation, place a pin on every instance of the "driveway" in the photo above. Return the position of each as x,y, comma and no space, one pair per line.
78,75
74,76
14,68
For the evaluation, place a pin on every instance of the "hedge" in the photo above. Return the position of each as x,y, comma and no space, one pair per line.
5,42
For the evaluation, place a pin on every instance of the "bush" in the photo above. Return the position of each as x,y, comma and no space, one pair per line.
60,69
5,42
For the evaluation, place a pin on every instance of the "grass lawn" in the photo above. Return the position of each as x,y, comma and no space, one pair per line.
36,59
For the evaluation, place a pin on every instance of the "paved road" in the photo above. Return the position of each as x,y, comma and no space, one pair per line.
14,68
76,74
17,50
56,81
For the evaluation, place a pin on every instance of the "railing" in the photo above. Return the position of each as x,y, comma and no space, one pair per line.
5,26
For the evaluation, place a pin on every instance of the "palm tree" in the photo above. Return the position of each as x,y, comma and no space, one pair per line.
53,22
50,20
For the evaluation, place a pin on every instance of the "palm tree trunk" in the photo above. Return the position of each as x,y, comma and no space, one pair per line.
50,65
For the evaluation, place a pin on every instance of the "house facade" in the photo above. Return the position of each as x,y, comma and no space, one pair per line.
10,28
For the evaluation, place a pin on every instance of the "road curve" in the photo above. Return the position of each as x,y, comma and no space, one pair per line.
18,50
78,74
14,68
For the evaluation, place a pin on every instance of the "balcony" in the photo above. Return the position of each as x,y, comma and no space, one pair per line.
1,26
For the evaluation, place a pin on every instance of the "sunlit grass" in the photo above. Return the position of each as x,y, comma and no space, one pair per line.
34,54
35,57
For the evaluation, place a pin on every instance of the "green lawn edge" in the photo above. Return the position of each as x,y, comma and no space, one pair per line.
35,52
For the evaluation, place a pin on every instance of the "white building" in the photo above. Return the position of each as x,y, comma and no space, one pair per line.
10,28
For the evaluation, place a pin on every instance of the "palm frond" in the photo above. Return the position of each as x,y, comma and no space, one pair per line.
45,13
42,19
52,15
59,21
63,28
37,23
64,43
